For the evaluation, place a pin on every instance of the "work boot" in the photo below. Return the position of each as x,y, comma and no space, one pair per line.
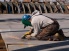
58,37
61,33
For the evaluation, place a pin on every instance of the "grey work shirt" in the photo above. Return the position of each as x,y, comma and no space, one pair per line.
39,21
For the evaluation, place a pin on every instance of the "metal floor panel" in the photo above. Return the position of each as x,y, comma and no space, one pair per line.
12,32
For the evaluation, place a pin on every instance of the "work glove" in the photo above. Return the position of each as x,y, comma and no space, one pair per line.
27,33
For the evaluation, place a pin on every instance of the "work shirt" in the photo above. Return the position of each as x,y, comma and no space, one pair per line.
39,21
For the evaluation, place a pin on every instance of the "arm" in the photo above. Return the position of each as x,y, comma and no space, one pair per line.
36,29
31,30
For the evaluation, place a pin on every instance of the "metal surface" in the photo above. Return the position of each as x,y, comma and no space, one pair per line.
12,30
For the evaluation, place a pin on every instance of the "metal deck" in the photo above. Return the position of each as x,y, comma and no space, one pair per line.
12,30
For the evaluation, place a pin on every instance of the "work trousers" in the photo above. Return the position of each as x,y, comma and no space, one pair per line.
48,32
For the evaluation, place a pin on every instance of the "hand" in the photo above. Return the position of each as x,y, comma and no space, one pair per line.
28,37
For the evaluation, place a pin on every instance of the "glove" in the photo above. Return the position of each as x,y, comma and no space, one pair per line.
24,36
27,33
